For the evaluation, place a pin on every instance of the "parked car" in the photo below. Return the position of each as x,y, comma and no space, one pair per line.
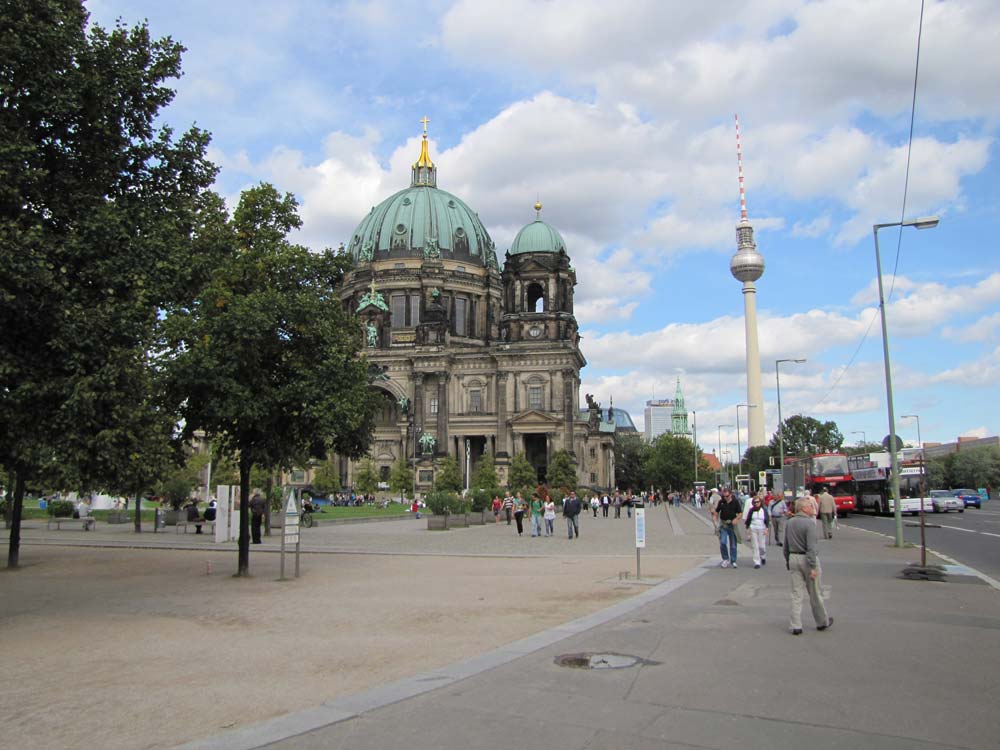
944,500
968,497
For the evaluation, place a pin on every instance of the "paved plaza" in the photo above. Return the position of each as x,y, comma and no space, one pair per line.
396,636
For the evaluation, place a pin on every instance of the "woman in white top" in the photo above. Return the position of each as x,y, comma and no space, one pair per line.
549,515
757,522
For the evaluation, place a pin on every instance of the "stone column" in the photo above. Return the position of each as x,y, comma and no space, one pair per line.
442,415
569,384
502,413
418,404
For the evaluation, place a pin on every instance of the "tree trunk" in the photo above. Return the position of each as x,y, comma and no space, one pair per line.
138,513
15,520
243,565
267,496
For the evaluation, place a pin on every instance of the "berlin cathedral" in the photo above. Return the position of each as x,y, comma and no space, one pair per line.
477,359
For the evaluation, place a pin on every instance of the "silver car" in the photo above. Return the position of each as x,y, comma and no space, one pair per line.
943,501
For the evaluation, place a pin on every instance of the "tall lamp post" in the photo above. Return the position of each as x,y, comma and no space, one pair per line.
694,433
739,448
923,491
781,424
720,446
864,438
928,222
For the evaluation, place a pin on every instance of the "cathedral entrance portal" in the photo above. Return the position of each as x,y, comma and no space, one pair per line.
536,451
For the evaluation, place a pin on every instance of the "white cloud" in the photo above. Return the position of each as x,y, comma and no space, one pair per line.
984,329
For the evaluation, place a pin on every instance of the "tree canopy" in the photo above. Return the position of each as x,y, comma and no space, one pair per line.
107,222
670,462
804,436
630,457
266,361
521,476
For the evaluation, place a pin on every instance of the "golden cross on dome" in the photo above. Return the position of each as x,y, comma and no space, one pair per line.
425,120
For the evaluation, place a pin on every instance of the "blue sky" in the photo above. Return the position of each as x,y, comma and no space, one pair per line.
619,118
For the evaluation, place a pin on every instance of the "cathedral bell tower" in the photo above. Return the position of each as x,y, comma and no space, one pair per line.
538,284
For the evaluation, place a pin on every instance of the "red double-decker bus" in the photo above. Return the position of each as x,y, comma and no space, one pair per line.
823,471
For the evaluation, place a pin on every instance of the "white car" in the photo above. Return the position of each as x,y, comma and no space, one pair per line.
944,501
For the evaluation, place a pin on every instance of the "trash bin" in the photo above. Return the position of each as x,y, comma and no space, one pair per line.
158,520
43,504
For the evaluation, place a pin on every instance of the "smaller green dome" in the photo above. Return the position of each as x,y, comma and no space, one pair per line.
538,237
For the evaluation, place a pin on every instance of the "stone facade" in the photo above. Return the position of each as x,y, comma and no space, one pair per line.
477,359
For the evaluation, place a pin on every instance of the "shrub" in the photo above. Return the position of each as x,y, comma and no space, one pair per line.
482,499
441,503
61,509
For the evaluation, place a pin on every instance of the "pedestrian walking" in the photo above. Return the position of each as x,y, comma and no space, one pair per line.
757,523
519,508
571,512
726,514
617,503
536,515
594,504
549,515
802,561
779,514
508,507
257,508
827,512
497,507
605,504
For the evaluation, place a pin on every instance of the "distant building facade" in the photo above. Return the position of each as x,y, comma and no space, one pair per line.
666,415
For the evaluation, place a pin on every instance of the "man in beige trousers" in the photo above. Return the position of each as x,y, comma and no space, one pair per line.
802,560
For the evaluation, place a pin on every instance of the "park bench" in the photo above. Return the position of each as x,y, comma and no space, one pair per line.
183,524
88,523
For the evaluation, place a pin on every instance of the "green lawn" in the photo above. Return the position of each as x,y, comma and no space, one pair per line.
328,513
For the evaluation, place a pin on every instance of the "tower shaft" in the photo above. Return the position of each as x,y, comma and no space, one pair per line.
755,393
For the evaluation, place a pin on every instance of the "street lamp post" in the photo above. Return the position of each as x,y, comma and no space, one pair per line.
923,492
781,424
928,222
720,446
694,433
739,448
864,438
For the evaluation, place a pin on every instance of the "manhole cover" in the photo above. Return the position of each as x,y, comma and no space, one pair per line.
601,661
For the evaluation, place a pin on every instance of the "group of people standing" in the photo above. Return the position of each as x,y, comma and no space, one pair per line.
791,527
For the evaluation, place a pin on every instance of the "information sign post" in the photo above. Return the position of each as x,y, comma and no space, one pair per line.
640,539
290,534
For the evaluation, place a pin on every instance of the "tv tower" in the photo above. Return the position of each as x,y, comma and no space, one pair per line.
747,265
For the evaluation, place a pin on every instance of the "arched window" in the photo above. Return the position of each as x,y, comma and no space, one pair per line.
536,298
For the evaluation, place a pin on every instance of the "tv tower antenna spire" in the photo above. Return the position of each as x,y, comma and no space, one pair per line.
739,162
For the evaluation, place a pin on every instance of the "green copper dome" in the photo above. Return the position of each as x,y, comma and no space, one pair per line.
538,237
422,220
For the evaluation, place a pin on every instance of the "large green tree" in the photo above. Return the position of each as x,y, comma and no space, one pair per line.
521,476
630,456
401,479
106,224
266,358
561,473
670,462
448,478
804,436
484,475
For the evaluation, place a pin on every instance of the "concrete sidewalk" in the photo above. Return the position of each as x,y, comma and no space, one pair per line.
907,664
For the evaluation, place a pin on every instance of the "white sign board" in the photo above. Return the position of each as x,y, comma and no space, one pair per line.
640,528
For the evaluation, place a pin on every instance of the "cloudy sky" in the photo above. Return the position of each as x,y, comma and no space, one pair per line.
619,117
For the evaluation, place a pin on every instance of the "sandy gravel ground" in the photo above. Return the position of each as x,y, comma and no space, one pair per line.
145,648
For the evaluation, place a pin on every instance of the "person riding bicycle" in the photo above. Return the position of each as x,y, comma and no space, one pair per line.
307,506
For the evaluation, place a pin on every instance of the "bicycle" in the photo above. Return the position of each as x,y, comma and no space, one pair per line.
306,519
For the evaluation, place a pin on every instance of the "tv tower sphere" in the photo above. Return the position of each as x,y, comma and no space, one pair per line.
746,264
